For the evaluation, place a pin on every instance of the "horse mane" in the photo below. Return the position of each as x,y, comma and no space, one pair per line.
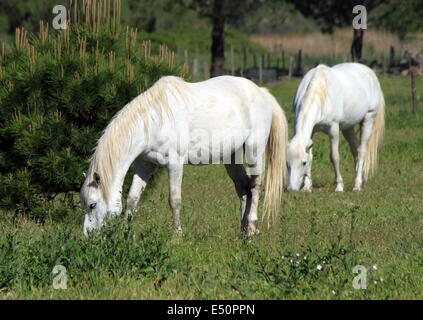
316,91
119,132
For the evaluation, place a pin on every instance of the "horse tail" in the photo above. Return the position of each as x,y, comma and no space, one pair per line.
276,174
373,144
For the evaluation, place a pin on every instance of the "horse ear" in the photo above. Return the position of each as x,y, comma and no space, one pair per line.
96,178
309,147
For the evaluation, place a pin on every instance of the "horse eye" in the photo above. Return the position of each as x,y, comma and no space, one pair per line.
92,206
304,163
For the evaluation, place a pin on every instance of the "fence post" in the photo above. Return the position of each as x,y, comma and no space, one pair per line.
186,60
392,56
383,64
195,71
269,62
299,70
232,61
245,58
261,70
206,71
291,59
413,73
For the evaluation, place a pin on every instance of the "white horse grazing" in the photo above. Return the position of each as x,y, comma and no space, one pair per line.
333,99
175,123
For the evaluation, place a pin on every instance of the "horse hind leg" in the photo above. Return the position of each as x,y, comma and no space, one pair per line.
366,132
143,172
251,219
242,184
350,136
254,151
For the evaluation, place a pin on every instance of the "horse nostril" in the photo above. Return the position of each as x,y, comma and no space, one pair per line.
92,206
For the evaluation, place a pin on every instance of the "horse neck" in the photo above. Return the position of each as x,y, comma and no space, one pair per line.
133,148
306,118
114,202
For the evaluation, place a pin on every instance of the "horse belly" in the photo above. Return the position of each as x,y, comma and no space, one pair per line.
353,114
215,146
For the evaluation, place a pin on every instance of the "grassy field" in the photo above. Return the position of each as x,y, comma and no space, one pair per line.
308,254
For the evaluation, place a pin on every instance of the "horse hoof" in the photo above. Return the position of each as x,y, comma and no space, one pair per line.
253,232
339,189
176,238
250,231
356,189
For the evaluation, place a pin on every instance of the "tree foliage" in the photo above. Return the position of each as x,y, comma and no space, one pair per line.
400,16
58,91
331,14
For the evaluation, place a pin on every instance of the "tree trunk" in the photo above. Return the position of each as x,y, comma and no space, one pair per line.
218,39
357,45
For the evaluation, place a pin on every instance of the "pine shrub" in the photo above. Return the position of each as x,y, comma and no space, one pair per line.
58,91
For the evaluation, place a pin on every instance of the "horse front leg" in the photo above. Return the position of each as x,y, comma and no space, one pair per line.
175,173
308,183
142,174
334,156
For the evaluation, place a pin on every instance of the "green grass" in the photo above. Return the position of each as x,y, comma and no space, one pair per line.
380,226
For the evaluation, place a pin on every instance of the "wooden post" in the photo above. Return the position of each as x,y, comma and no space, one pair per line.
291,60
383,63
232,61
245,59
392,56
413,73
261,71
195,69
269,62
206,71
186,59
299,70
336,51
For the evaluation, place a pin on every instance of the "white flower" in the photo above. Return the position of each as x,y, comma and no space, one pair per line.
297,254
333,292
319,267
374,267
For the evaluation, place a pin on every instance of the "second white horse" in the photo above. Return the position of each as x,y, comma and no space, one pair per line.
332,100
